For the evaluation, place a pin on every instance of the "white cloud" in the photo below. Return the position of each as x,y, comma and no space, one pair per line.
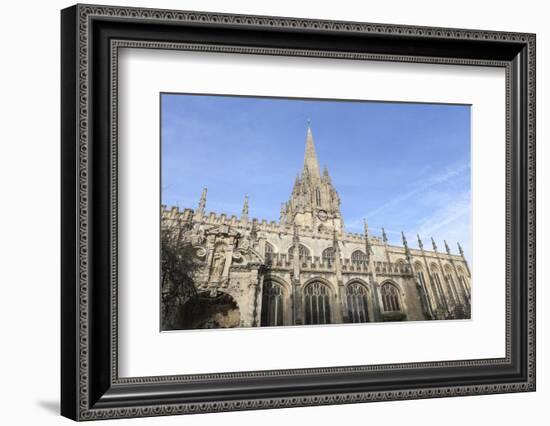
450,222
421,187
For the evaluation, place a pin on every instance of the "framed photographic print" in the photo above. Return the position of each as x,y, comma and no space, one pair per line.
263,212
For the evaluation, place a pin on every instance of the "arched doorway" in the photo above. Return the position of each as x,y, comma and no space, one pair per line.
210,311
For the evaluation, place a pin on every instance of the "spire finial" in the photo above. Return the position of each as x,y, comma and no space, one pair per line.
384,236
367,242
244,214
433,244
447,249
460,249
420,244
202,201
406,245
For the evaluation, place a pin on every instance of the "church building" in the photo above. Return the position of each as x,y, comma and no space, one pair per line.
306,269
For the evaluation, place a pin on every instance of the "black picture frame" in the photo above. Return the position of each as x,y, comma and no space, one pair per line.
90,386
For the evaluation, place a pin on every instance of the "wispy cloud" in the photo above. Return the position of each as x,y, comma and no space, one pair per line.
420,187
451,222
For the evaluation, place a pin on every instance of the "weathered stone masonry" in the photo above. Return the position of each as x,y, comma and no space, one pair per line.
306,269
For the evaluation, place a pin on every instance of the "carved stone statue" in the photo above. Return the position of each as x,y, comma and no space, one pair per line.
218,265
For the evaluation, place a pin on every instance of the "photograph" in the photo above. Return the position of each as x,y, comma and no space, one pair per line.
303,212
266,208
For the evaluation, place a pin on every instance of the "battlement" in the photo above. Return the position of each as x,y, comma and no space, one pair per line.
315,263
243,223
387,268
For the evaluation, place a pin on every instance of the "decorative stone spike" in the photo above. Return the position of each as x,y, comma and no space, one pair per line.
244,214
384,236
447,247
460,250
406,245
420,244
433,244
367,240
202,201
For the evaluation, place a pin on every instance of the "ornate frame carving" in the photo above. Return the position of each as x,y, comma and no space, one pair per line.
91,37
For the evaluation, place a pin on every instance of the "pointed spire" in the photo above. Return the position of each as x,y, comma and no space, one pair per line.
460,250
433,244
202,202
244,213
447,249
406,245
311,165
384,236
420,244
326,176
367,242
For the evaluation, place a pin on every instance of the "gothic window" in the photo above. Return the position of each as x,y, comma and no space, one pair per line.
390,297
465,285
463,281
317,303
358,256
356,298
272,304
268,252
436,281
318,197
451,282
328,255
439,286
303,251
421,279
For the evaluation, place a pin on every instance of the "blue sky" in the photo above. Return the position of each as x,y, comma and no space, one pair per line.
402,166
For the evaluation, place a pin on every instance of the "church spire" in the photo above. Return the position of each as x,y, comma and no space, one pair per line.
311,165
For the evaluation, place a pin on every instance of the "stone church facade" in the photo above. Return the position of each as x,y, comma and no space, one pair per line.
306,269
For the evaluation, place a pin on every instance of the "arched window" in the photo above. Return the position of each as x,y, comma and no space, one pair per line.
356,298
268,252
420,274
390,297
463,281
303,251
328,255
451,282
272,304
436,277
317,303
358,256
